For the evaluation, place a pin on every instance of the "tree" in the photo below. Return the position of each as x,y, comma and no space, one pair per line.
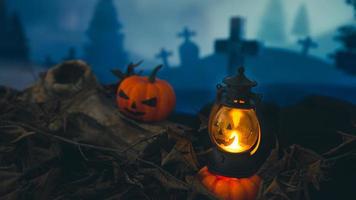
19,49
353,3
272,29
345,58
3,30
105,49
13,41
301,27
3,18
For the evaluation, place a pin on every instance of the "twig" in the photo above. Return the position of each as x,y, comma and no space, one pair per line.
349,145
164,172
120,152
204,152
82,153
114,150
13,124
65,139
140,141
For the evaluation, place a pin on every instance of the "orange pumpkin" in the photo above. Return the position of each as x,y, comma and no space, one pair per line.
228,188
146,99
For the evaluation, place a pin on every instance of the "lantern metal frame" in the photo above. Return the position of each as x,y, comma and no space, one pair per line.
235,92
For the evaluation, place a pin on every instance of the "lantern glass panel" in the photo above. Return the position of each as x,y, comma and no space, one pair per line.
234,130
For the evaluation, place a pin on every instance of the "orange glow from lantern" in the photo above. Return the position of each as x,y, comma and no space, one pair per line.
230,188
235,130
235,145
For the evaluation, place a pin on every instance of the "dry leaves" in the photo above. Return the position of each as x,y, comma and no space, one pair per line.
82,148
294,174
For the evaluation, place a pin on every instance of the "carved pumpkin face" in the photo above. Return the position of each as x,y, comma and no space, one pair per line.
230,188
142,99
235,130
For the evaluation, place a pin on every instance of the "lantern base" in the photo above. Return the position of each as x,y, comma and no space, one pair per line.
233,165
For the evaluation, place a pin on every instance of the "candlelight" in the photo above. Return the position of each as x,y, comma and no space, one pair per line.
235,145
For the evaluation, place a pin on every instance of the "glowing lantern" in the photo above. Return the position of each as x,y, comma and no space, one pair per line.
236,135
235,130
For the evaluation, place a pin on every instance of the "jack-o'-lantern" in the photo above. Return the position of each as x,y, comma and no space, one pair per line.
146,99
235,130
228,188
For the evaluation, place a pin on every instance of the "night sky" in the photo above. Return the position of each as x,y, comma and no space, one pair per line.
53,26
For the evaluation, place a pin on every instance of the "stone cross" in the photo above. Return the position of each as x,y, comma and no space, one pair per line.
164,55
307,44
235,46
186,34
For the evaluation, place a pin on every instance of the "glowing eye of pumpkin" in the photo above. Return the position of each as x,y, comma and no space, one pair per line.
123,95
150,102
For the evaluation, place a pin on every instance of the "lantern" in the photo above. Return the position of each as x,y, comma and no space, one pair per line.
235,132
234,128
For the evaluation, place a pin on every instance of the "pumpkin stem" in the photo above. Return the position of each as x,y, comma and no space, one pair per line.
129,72
131,68
152,77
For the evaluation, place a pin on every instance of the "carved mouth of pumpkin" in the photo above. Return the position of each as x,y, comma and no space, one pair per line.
225,142
134,113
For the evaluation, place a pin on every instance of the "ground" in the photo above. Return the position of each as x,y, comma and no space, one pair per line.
67,140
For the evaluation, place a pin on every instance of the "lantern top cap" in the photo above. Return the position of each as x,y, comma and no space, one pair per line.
240,80
236,91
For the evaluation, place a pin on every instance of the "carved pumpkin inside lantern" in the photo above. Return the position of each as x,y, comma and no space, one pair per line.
235,130
146,98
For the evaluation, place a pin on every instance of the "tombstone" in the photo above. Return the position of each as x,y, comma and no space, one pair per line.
307,44
188,50
235,46
164,55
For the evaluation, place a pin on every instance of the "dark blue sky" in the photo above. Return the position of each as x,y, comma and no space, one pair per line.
53,26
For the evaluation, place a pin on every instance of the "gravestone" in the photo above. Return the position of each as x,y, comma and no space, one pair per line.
236,47
164,55
307,44
188,50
